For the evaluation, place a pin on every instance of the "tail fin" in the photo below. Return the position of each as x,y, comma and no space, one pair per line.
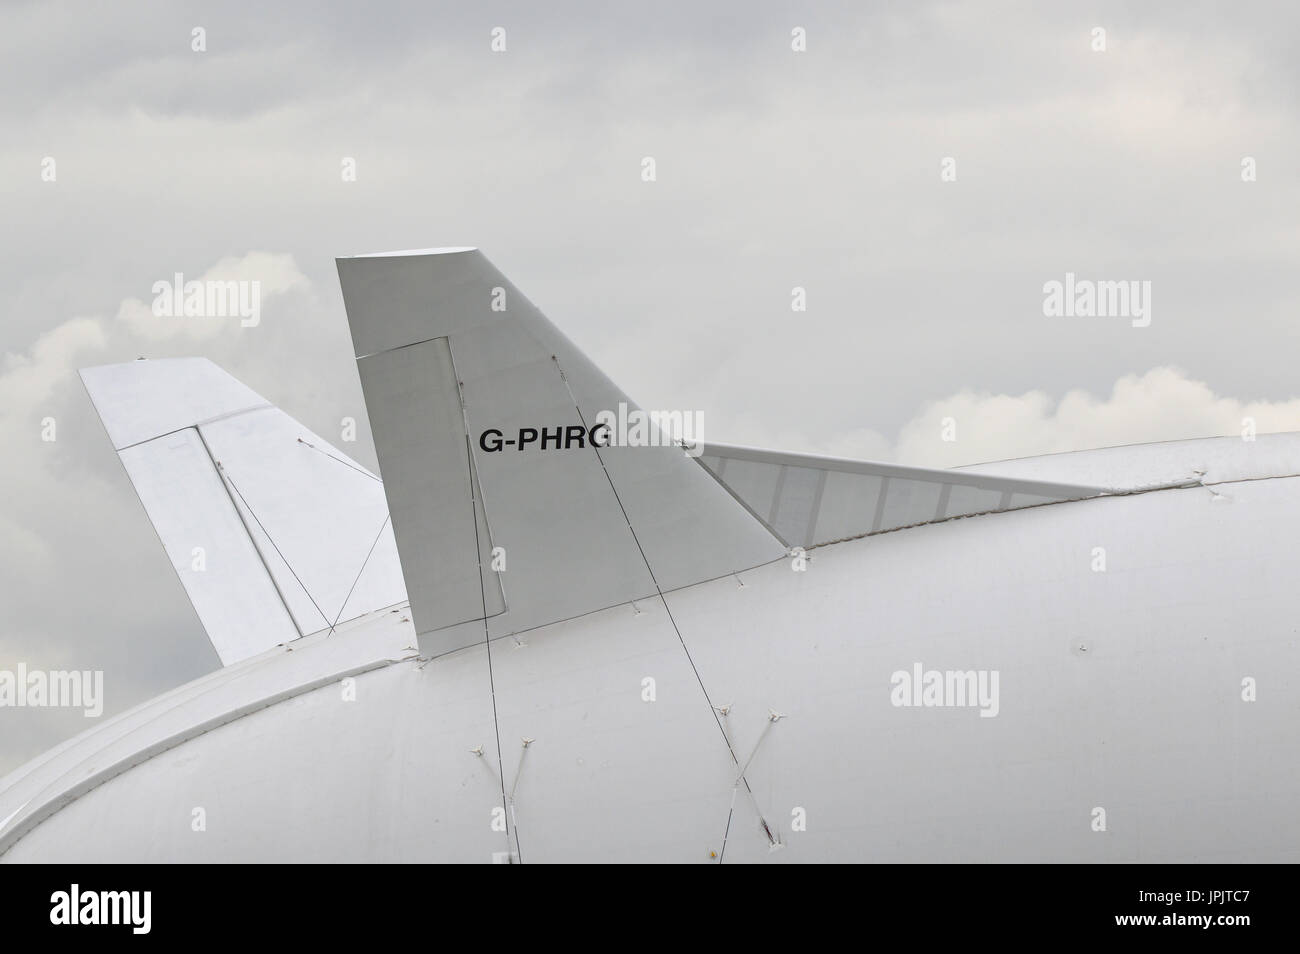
273,532
467,383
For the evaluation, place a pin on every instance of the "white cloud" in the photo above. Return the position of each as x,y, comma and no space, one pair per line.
28,379
275,274
1164,404
28,383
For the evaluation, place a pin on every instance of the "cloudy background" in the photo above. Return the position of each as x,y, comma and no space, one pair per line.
775,169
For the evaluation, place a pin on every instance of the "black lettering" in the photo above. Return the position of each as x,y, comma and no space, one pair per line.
495,440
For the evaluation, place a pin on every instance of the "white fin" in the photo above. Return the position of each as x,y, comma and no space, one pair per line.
273,532
581,528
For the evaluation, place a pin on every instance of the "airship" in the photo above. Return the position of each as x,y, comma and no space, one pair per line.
554,628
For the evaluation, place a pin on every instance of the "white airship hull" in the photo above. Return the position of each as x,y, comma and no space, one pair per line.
555,651
1119,690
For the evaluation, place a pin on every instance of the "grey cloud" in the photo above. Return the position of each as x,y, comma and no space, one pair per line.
775,169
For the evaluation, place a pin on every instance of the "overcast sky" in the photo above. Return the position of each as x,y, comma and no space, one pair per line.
774,169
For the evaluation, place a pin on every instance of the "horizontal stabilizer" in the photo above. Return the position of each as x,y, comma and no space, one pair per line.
273,532
808,501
